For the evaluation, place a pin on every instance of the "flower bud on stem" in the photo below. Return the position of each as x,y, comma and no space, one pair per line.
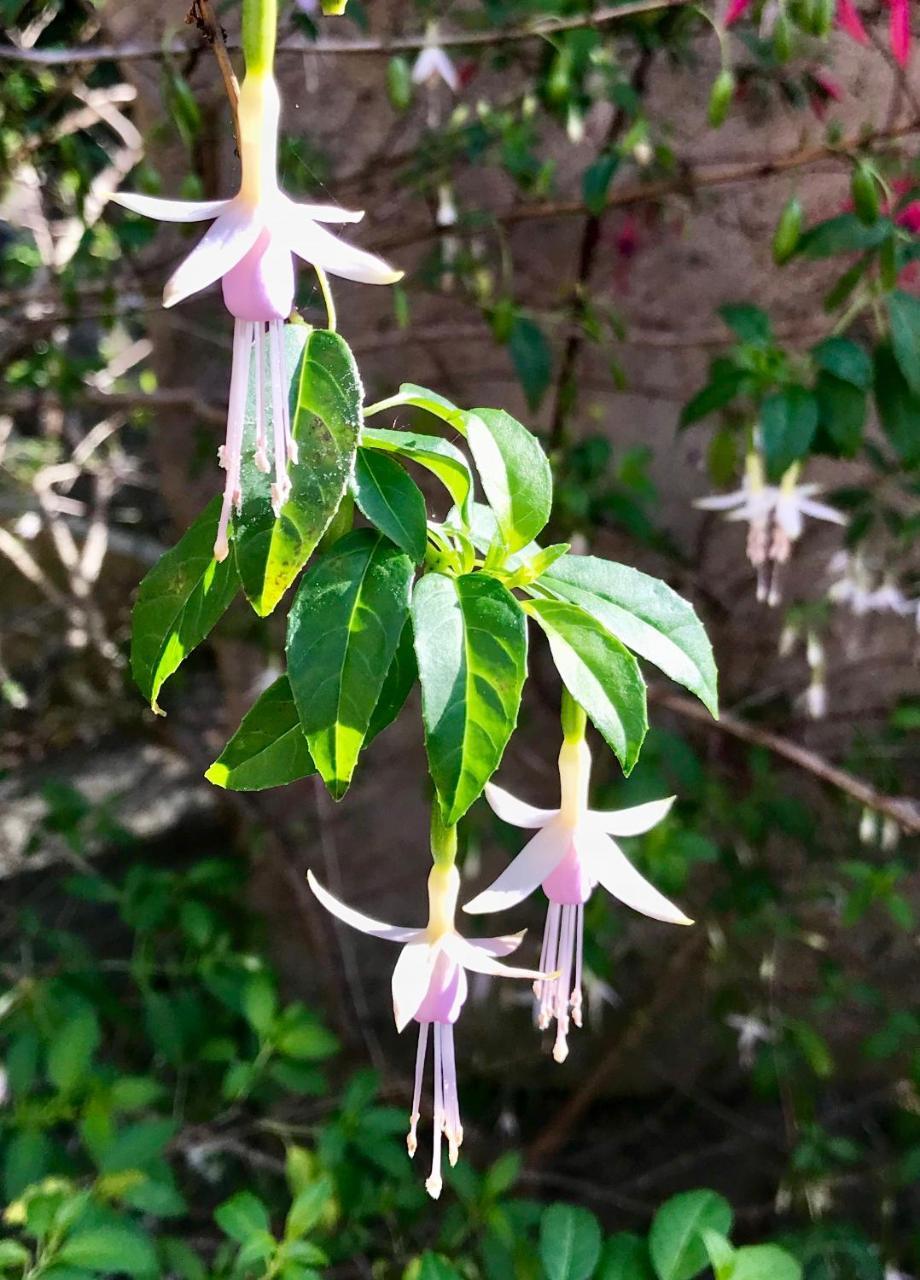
573,718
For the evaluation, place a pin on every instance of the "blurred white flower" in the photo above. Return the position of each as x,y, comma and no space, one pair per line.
751,1032
433,64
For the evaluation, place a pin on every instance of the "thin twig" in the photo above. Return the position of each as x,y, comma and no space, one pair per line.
202,16
903,809
368,47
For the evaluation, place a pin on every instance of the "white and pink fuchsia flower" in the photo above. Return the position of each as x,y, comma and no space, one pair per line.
569,856
430,986
251,249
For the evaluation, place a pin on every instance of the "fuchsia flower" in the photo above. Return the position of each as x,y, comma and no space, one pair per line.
571,853
429,985
251,249
848,18
899,29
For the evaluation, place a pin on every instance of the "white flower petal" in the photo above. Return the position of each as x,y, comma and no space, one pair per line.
322,249
170,210
479,961
433,62
821,511
327,212
411,979
789,518
616,873
376,928
634,821
528,870
515,811
222,246
722,501
502,946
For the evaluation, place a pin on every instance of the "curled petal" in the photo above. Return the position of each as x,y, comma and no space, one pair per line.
222,247
528,870
616,873
323,249
848,20
170,210
634,821
479,961
376,928
411,979
502,946
515,811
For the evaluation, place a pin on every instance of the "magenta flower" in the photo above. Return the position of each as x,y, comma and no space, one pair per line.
430,986
251,249
899,29
847,15
569,856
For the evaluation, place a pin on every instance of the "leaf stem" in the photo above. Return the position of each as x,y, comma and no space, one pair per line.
443,838
573,718
326,290
260,30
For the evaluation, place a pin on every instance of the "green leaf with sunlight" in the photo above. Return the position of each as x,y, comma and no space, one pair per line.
515,474
391,501
182,597
326,398
471,648
676,1235
438,456
645,615
570,1242
268,749
599,672
343,630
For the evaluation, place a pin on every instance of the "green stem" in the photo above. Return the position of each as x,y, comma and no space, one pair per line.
326,291
260,29
443,838
573,718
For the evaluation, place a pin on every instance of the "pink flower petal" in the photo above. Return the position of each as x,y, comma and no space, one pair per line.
848,20
222,246
899,26
322,249
515,811
736,9
411,980
478,961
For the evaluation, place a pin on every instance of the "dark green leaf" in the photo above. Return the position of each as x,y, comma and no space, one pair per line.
391,501
570,1242
110,1249
898,406
438,456
25,1160
326,401
178,602
532,358
675,1238
596,180
788,421
242,1216
645,615
343,629
400,678
904,317
599,673
749,323
724,383
846,360
842,409
515,474
843,234
268,749
471,648
72,1049
136,1145
625,1257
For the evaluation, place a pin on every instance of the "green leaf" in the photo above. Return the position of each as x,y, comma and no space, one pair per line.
898,406
343,630
904,317
750,324
845,360
765,1262
471,648
400,678
645,615
13,1254
307,1209
326,398
438,456
136,1145
599,672
72,1049
111,1249
532,358
391,501
421,398
178,602
842,409
843,234
26,1160
515,474
242,1216
625,1257
268,749
720,1252
725,381
788,422
675,1238
595,182
570,1242
433,1267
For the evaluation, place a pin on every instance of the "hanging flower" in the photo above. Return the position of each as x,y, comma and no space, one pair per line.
571,853
775,515
251,249
847,16
433,64
430,986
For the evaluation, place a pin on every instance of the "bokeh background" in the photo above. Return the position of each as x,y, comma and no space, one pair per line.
570,223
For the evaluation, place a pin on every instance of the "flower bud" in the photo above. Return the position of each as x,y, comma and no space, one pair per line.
720,99
399,83
788,232
865,193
